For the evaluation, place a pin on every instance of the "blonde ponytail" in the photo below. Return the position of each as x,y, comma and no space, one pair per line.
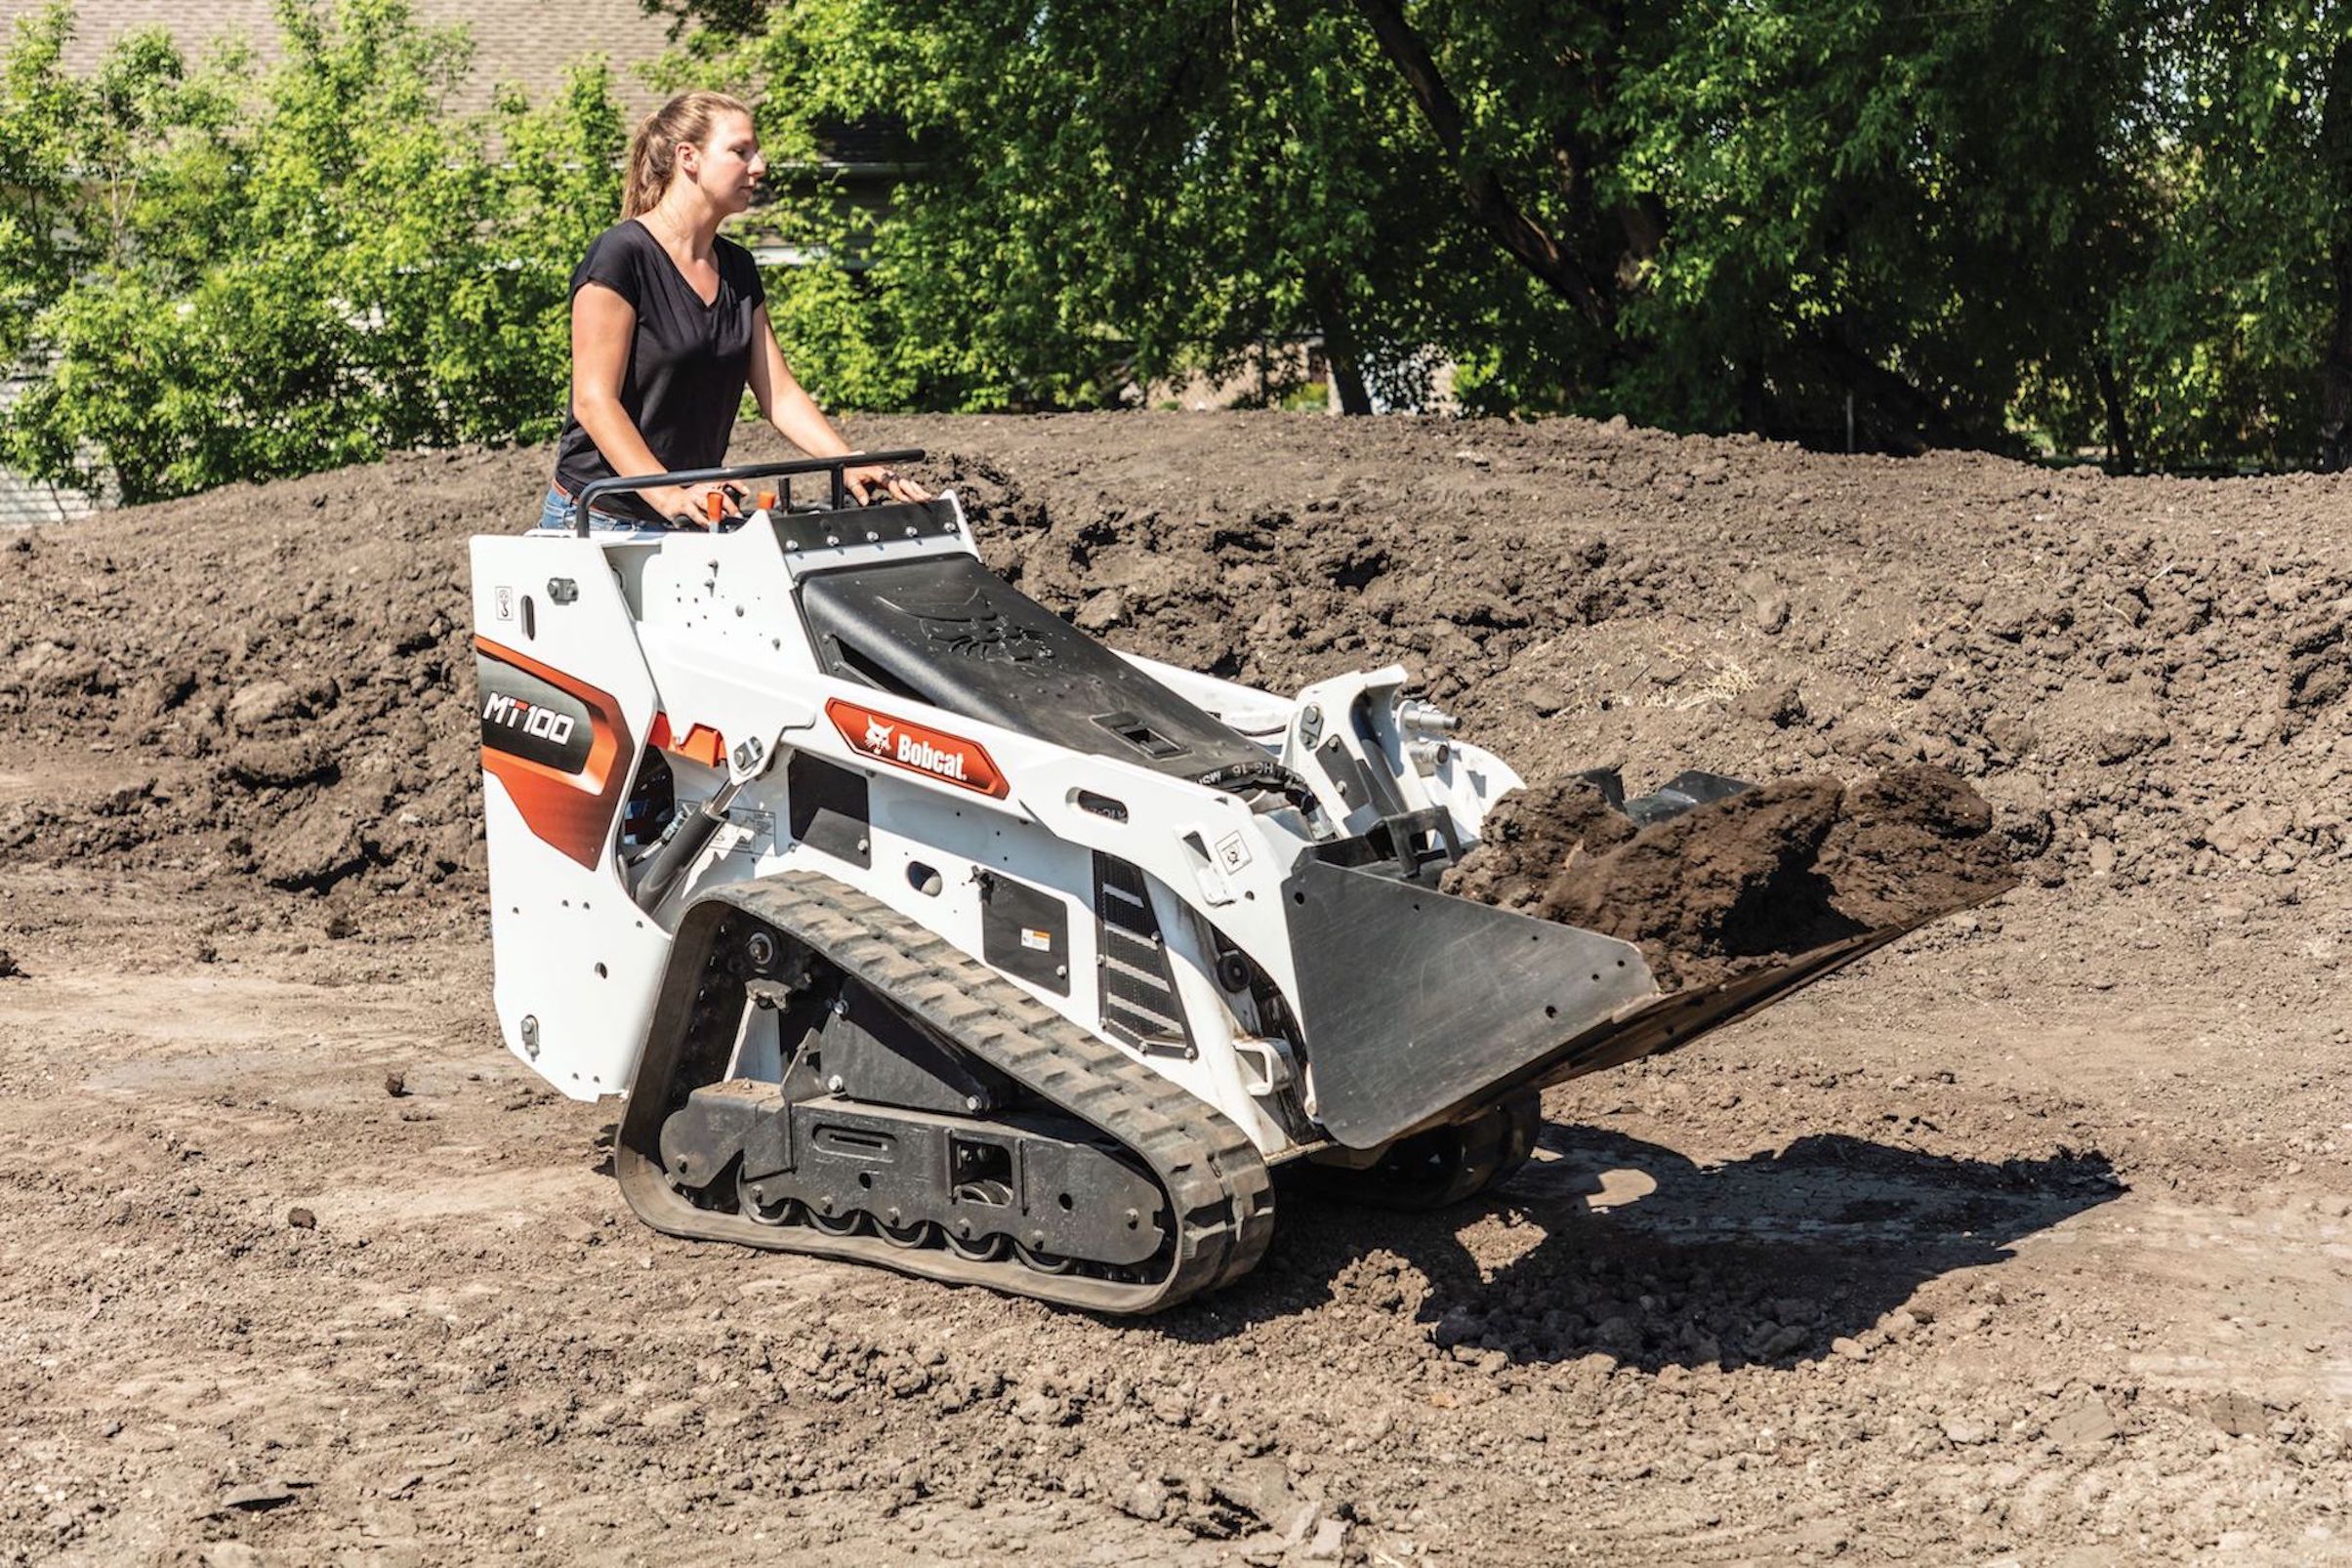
688,119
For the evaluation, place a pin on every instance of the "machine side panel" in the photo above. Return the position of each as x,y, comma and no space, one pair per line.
577,964
561,747
916,824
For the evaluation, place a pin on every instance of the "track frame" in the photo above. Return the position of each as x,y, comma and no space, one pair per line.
1219,1196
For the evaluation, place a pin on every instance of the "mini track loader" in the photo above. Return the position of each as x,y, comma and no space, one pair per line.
920,928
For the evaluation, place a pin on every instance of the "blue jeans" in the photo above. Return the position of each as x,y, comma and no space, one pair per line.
558,515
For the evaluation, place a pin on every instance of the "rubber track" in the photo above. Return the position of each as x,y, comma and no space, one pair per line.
1220,1198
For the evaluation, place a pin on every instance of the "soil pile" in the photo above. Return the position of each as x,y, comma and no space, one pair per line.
273,683
1742,883
2149,679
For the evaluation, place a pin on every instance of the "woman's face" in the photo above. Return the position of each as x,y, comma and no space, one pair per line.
728,165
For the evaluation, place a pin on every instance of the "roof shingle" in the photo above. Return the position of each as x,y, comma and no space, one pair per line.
529,42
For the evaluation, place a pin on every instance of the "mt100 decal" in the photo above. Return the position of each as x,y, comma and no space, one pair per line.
917,747
533,718
558,745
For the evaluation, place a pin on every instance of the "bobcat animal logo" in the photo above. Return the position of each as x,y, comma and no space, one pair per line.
970,626
877,737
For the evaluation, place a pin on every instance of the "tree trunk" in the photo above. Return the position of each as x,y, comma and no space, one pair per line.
1528,242
1346,379
2122,456
2335,453
1755,413
1340,348
1638,221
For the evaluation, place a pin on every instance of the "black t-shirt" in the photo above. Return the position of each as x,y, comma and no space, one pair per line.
688,361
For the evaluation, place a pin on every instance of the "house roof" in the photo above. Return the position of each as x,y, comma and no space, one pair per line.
529,42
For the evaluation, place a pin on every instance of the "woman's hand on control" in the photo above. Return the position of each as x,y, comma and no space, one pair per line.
690,504
872,482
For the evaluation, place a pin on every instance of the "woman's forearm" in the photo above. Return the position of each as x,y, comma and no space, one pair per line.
616,434
786,406
796,417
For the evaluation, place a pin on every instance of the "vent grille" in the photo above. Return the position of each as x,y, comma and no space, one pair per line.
1139,1005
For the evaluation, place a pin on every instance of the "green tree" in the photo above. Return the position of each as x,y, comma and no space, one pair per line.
1707,216
2072,221
1914,212
269,273
35,115
2235,341
1104,200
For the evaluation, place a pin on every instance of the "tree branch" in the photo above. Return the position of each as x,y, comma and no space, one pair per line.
1638,221
1527,241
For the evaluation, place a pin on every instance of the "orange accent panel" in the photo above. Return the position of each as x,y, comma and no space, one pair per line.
658,737
703,745
571,811
917,747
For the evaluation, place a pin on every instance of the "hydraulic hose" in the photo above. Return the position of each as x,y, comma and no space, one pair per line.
660,867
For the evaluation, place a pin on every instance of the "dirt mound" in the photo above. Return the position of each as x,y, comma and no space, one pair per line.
1739,883
272,683
2147,679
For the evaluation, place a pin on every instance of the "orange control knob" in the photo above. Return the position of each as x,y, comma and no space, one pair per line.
714,505
767,499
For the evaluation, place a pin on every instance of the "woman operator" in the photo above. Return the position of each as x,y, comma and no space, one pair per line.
668,323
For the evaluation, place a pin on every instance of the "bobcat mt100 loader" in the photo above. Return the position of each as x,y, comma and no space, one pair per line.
920,928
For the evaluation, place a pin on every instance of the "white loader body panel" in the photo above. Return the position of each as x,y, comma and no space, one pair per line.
694,645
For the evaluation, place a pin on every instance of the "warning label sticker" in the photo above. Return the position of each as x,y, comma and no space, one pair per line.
754,831
1232,851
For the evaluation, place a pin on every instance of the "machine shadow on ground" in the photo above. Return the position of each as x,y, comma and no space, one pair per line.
1627,1248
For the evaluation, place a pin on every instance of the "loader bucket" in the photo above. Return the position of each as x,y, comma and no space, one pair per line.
1418,1004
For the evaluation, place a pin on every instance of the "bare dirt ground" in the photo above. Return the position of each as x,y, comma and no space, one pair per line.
2025,1240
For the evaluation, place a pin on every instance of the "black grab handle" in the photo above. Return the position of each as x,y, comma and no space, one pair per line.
596,490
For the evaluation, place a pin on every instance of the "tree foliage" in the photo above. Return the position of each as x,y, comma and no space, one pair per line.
1992,224
1109,200
2066,223
2236,336
216,272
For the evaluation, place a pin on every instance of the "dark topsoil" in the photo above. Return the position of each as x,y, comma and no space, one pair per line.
273,683
1735,883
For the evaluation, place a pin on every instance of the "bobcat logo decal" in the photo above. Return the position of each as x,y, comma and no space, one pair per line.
917,747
